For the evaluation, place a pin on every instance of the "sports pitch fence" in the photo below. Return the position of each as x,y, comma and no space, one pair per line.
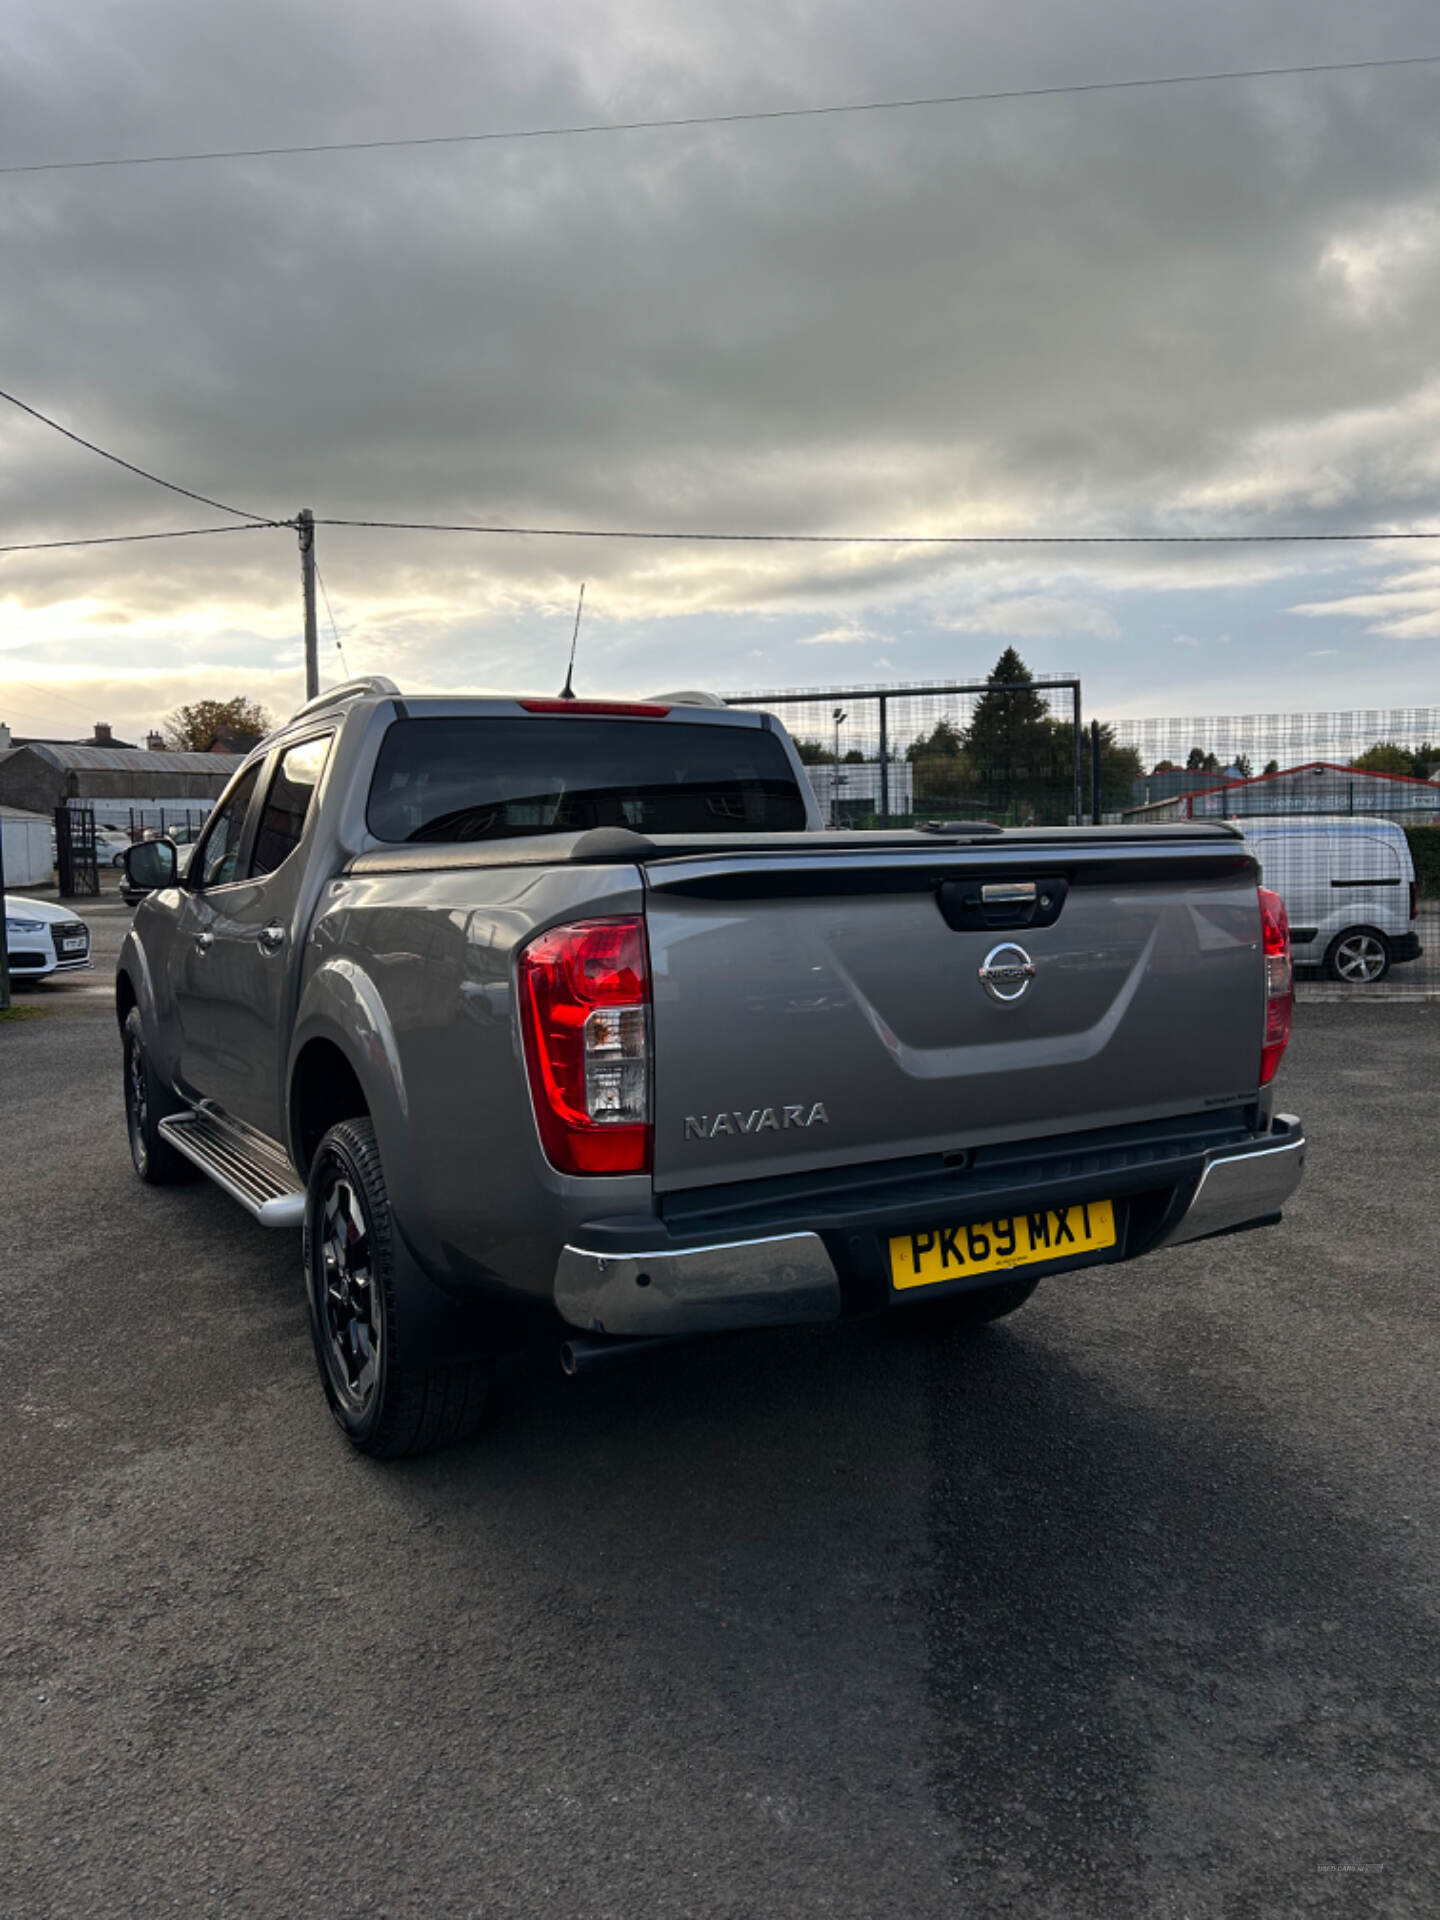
1342,809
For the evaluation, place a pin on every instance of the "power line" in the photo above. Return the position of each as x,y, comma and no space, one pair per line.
330,616
47,693
125,539
890,539
722,119
749,539
241,513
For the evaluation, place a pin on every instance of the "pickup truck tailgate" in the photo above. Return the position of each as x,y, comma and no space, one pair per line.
824,1009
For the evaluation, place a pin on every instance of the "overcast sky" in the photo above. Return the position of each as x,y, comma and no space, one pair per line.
1203,309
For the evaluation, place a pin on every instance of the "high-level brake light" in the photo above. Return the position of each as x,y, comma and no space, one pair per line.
617,709
585,1018
1279,983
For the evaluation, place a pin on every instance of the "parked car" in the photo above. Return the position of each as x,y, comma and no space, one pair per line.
43,937
111,846
1348,885
573,1006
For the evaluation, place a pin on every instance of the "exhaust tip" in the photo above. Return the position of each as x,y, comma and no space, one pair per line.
584,1350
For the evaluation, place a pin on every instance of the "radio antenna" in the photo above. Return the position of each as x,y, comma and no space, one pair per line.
567,692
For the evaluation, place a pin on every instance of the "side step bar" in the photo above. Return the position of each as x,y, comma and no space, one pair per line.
249,1170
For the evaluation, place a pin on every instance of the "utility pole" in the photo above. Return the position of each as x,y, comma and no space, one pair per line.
305,525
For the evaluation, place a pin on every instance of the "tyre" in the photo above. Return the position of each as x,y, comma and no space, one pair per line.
977,1308
387,1393
1359,956
148,1101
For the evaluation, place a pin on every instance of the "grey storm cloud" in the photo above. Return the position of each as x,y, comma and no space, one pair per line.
1155,310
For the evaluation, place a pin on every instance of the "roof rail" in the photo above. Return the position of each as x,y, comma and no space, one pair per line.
349,690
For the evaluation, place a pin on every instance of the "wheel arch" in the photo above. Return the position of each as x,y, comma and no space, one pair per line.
1361,926
343,1046
324,1089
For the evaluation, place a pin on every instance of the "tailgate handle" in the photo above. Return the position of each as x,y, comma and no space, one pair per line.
982,904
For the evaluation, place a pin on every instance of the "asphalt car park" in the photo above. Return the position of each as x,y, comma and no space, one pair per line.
1126,1607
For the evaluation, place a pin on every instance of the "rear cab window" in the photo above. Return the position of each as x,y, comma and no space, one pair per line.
497,778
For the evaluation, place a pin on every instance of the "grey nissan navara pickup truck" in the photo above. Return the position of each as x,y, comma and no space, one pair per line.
572,1004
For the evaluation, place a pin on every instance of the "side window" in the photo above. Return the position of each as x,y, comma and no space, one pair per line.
218,854
287,805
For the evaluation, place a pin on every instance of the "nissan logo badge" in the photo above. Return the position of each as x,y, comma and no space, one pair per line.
1006,972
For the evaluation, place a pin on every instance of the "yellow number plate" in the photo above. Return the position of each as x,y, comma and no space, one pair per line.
988,1246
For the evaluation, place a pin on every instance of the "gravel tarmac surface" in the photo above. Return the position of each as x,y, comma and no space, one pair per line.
1125,1608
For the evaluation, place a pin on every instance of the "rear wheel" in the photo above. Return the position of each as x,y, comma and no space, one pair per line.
977,1308
148,1101
386,1392
1359,956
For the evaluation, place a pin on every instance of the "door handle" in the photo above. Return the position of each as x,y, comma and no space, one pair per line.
271,937
204,942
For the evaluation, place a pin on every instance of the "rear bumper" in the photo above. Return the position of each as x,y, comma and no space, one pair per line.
1242,1189
781,1280
643,1284
1405,946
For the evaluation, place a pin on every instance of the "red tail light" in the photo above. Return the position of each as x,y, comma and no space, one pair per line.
585,1017
1414,902
1279,983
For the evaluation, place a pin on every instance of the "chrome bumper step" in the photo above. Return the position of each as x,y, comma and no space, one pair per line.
247,1168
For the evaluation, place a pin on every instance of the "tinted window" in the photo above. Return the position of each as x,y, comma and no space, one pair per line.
287,805
219,853
495,779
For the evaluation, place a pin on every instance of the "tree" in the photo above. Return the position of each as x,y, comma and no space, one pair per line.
1009,742
854,758
1164,766
1010,723
1241,764
815,753
1385,757
940,763
1272,766
942,743
191,729
1120,768
1195,761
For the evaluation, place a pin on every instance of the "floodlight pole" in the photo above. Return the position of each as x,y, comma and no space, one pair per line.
1096,790
884,762
305,526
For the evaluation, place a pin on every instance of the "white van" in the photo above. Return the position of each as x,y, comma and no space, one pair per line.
1348,883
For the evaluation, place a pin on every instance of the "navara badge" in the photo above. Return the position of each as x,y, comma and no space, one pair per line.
1006,972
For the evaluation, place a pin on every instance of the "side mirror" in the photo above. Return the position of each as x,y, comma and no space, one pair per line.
150,865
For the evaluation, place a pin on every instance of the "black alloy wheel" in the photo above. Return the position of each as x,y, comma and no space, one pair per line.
147,1103
354,1323
137,1103
375,1348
